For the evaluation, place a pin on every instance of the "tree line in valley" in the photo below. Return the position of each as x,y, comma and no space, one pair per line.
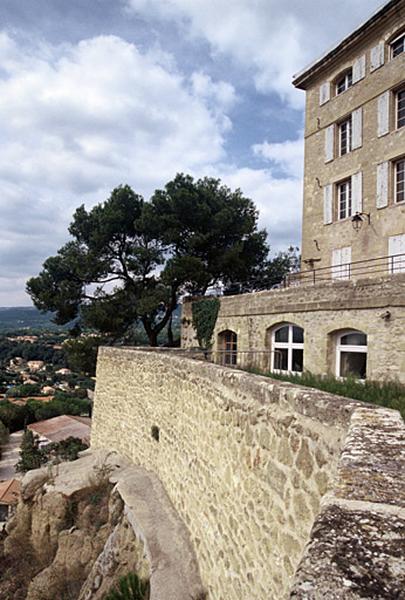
129,260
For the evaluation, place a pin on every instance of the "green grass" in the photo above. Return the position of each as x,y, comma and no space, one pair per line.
390,394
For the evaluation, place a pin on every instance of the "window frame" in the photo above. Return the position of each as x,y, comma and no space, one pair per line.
349,135
290,346
349,201
399,37
353,348
396,181
346,77
397,108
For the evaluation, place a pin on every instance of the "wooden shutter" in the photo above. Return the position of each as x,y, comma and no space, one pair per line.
327,204
357,192
357,128
377,56
324,93
329,143
382,185
396,245
383,114
359,68
341,259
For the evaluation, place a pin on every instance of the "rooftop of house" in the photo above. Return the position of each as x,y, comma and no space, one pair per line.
9,491
302,79
60,428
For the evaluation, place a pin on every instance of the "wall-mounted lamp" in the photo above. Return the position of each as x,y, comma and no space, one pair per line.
358,218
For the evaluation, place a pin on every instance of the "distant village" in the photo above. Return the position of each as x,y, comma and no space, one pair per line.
43,404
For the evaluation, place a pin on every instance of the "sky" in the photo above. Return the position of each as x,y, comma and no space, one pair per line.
98,93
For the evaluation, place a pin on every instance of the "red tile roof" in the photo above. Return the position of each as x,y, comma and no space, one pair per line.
9,491
60,428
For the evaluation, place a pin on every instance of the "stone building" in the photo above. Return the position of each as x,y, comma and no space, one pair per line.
344,313
354,183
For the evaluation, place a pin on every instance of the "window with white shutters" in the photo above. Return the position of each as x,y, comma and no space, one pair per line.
344,81
398,45
399,181
344,199
341,263
382,185
400,108
383,119
396,252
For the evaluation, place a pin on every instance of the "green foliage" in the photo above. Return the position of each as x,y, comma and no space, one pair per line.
24,390
205,313
14,417
62,404
130,587
4,435
390,394
66,449
31,456
190,235
82,354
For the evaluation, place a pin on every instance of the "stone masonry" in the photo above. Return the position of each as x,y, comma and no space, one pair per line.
245,460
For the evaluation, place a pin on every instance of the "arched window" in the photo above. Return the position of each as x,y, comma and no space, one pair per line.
343,81
351,354
228,347
287,349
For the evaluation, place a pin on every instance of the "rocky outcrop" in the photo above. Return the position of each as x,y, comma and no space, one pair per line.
93,521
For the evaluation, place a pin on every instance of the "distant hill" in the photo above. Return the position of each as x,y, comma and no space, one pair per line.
24,318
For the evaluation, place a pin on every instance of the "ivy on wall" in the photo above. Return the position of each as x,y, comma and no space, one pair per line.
205,313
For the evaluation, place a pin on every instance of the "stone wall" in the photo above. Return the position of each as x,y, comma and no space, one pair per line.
245,460
322,310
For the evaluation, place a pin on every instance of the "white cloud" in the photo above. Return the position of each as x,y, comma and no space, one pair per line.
288,155
273,39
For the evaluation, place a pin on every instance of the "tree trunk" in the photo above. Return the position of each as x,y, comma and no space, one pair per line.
170,339
152,335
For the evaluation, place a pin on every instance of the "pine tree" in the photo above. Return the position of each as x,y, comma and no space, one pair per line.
31,456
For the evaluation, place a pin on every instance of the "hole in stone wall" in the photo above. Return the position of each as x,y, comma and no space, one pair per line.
155,432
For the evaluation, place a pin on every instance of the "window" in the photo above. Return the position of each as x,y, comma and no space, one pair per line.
398,46
341,262
344,82
228,347
396,253
399,180
345,136
344,197
351,354
400,108
288,349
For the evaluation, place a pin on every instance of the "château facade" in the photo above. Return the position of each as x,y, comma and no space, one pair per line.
354,181
344,313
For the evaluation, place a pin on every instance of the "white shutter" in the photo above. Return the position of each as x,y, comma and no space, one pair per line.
341,259
359,68
357,128
382,185
327,204
329,143
324,93
377,57
357,192
396,245
383,114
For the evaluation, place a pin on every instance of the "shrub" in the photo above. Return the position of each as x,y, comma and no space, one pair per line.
31,457
390,394
130,587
